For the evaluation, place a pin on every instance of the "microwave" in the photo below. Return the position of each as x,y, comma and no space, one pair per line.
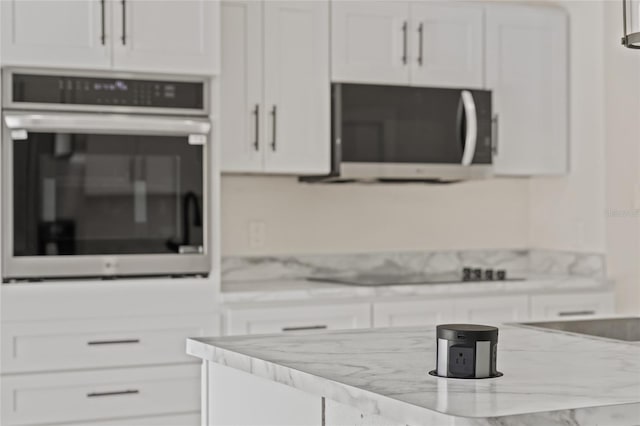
400,133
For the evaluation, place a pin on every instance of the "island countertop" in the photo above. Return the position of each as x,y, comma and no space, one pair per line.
549,377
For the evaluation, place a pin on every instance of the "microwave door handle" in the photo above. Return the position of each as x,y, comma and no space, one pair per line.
471,136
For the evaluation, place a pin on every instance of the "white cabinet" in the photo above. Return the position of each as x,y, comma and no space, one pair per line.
418,43
171,36
526,60
369,42
412,313
306,319
276,87
449,44
492,310
178,36
67,33
564,306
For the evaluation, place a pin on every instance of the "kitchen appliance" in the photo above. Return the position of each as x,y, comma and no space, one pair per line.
104,174
466,351
374,278
400,133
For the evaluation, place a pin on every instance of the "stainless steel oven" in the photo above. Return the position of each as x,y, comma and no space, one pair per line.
104,174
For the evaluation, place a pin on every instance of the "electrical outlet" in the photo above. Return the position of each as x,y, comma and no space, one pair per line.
461,360
257,234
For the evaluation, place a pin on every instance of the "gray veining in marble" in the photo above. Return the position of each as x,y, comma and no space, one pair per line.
550,378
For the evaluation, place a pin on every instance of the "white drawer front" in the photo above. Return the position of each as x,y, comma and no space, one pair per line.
93,395
412,313
550,306
492,310
63,345
297,319
192,419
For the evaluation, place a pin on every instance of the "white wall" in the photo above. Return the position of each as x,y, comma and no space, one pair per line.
567,213
321,218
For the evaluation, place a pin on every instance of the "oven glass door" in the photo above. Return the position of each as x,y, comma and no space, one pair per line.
133,189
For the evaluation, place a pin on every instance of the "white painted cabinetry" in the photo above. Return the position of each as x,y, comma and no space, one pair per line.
493,309
275,99
170,36
526,60
565,306
407,313
283,319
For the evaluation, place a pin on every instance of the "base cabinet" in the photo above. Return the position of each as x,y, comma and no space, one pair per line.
411,313
566,306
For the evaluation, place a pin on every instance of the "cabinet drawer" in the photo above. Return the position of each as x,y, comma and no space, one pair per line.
412,313
59,345
94,395
567,305
191,419
297,319
492,310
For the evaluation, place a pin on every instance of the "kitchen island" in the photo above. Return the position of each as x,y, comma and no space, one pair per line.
380,377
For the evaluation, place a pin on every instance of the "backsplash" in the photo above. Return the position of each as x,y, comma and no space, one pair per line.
518,262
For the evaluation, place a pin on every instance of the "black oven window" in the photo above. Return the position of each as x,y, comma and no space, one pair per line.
94,194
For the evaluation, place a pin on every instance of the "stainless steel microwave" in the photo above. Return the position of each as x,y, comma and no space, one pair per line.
401,133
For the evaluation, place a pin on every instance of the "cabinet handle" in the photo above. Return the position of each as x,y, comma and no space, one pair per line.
113,342
307,327
103,35
494,138
256,140
576,313
124,22
114,393
274,116
420,42
404,42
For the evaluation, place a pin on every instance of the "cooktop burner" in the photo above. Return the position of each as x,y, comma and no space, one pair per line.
383,279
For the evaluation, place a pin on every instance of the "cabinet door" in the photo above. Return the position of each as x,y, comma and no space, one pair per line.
448,44
412,313
526,59
492,310
370,42
305,319
552,306
243,137
166,35
57,33
297,91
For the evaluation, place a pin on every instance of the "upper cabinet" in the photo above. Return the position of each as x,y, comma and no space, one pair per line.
275,93
129,35
55,33
527,70
407,43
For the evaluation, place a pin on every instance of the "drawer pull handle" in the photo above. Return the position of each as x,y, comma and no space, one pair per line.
575,313
113,342
308,327
114,393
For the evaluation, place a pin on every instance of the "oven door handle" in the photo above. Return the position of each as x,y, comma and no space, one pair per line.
106,123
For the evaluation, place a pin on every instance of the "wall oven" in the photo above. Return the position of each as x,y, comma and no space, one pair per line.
104,175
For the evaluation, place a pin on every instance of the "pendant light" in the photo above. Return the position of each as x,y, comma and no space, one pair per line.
631,40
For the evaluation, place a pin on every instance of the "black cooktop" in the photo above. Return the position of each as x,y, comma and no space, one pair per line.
373,279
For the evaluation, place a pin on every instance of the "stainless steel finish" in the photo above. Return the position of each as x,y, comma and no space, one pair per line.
114,393
483,359
471,137
113,342
305,328
109,265
256,115
19,135
622,328
494,131
190,249
105,123
443,358
7,92
420,42
197,139
405,27
274,134
103,34
373,171
124,22
576,313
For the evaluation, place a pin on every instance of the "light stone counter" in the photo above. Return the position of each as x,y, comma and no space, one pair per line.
550,378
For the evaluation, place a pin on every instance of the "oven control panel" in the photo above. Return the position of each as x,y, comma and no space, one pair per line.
107,91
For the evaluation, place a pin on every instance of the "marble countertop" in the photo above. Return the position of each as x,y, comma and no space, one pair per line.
255,291
549,377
